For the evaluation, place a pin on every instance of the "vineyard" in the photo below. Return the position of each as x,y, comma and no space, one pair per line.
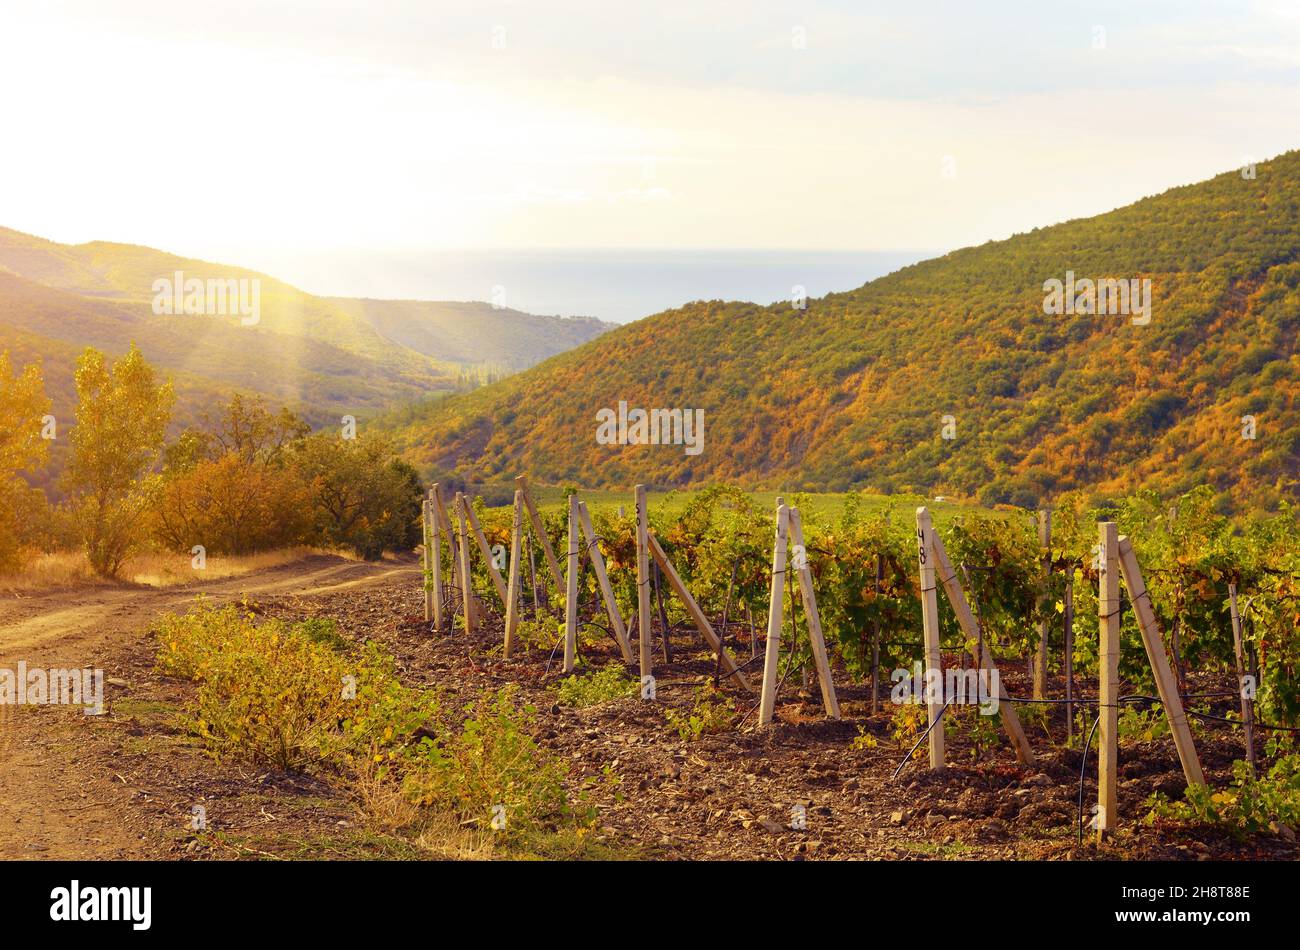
1027,592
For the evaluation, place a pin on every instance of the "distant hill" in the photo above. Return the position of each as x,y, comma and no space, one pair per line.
473,332
853,391
323,357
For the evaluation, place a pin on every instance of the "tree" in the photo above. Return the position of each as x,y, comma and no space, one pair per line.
233,506
228,487
23,404
247,429
122,416
363,496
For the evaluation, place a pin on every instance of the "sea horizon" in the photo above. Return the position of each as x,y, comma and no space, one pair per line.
617,285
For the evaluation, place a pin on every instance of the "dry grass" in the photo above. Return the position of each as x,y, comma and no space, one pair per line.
158,569
384,806
166,569
51,571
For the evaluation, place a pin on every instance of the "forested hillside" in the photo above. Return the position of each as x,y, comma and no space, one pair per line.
474,332
324,358
853,391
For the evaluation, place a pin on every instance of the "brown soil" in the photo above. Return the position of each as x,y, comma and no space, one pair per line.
125,785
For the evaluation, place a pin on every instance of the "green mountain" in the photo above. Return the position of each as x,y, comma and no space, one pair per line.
322,357
860,388
472,332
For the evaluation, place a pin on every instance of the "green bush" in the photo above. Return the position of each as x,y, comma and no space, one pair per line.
294,695
287,694
493,761
581,691
1245,805
711,712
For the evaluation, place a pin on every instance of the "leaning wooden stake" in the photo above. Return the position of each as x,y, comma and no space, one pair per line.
512,587
574,565
775,617
829,699
697,615
606,589
1155,646
966,619
1109,620
467,586
1247,707
552,564
453,569
435,559
485,550
644,645
930,627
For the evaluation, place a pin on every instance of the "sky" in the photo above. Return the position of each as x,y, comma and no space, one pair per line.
279,131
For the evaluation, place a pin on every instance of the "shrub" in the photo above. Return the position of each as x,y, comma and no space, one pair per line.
581,691
1142,725
537,636
908,721
283,693
232,505
295,696
325,631
710,713
1245,805
493,761
362,496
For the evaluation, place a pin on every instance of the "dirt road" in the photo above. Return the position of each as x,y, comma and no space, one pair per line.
55,800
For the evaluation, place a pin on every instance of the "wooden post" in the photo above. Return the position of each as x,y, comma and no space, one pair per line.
485,550
1068,649
606,589
930,627
875,640
1165,682
775,617
521,483
512,588
466,584
435,562
829,699
697,615
1045,545
427,560
1109,620
644,645
571,591
970,627
1247,707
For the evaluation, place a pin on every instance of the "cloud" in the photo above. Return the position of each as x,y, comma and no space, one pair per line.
694,124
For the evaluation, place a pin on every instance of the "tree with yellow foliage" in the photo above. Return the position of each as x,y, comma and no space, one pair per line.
122,416
23,405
